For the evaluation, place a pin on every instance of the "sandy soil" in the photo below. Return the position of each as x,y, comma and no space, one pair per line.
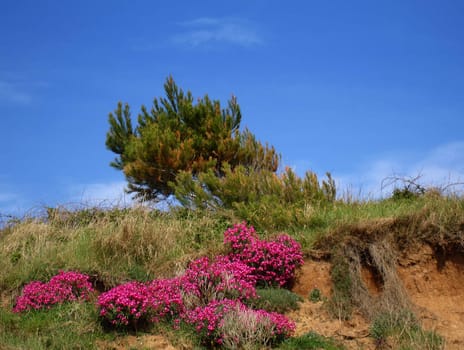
434,282
145,341
436,285
314,316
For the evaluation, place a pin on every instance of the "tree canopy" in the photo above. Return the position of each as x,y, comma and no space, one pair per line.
180,135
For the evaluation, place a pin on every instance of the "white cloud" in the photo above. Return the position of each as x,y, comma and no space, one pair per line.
439,167
207,31
100,194
108,195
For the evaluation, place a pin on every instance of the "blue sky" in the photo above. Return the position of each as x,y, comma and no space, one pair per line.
363,89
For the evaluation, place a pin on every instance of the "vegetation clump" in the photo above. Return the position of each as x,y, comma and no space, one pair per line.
272,262
402,330
209,296
64,287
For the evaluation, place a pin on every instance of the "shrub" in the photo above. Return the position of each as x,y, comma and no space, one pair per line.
242,328
232,324
206,319
209,289
66,286
273,262
340,304
167,299
206,280
127,304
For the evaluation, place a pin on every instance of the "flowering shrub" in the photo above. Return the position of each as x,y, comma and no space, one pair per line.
273,262
206,280
231,323
206,319
239,237
66,286
127,304
243,328
167,299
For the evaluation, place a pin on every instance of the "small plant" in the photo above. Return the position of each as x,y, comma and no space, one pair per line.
340,304
275,300
403,330
315,295
168,303
310,341
66,286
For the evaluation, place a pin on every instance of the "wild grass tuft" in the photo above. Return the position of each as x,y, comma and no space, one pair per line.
401,330
310,341
275,300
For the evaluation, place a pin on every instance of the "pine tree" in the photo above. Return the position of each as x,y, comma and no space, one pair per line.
180,136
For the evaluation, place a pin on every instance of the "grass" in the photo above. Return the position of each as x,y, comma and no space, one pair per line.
117,245
134,244
310,341
275,300
67,326
400,330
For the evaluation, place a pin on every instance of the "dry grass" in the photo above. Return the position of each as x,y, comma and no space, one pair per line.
112,246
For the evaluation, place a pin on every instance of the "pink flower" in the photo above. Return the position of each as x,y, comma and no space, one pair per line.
64,287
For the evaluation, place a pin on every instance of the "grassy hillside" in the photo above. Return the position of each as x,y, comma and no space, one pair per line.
119,245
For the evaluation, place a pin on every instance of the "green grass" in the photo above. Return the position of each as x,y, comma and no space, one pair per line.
401,330
67,326
310,341
275,300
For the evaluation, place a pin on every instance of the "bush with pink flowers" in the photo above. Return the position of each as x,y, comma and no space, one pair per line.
129,304
206,280
168,302
66,286
243,328
231,323
206,319
273,262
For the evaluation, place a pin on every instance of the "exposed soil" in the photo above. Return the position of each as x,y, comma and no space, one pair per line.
313,316
434,281
145,341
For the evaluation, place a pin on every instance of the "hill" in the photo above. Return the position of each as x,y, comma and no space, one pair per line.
377,274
